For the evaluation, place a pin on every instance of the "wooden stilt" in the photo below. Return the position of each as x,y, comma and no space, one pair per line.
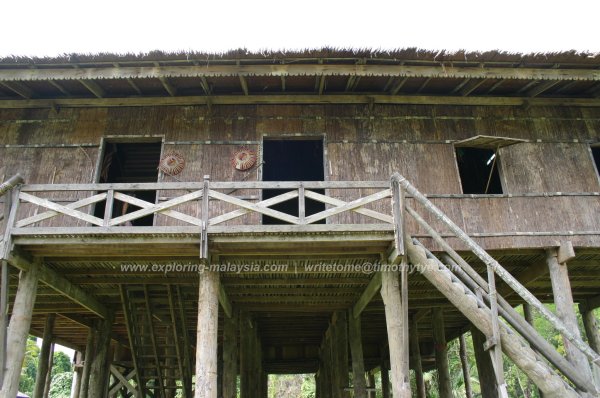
44,358
90,352
358,364
385,380
441,354
563,298
397,335
592,330
341,350
230,356
485,369
371,386
416,359
18,329
77,368
245,354
465,366
48,378
206,346
98,383
3,317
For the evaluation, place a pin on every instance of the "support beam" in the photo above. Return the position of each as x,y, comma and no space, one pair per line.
485,368
416,358
398,86
206,343
18,88
563,299
44,358
464,362
60,88
244,85
367,295
225,302
441,353
385,380
358,362
18,329
77,370
528,314
90,353
472,86
230,356
540,88
99,373
48,378
61,285
397,333
592,330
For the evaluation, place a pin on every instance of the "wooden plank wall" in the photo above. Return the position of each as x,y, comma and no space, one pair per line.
362,142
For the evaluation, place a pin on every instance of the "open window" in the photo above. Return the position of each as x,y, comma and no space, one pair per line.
477,159
129,163
292,160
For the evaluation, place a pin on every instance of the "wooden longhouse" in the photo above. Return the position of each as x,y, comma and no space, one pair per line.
398,200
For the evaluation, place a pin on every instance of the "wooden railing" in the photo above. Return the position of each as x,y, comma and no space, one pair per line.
111,194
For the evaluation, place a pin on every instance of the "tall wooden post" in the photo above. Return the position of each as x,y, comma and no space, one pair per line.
206,345
90,352
416,359
18,329
44,358
441,353
230,356
385,380
563,298
592,330
485,368
397,331
465,366
371,386
3,317
99,367
358,363
48,378
77,368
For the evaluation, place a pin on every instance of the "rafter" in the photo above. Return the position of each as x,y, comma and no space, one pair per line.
422,87
539,89
495,86
472,86
18,88
398,85
244,85
367,295
93,87
59,87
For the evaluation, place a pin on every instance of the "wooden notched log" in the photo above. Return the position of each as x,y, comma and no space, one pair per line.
551,384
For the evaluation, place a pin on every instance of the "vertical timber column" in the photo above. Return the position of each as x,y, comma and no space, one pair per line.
485,369
527,312
464,362
385,380
358,363
245,355
206,345
48,378
441,353
76,384
372,392
416,356
99,374
230,356
592,330
18,329
90,352
563,299
397,335
44,358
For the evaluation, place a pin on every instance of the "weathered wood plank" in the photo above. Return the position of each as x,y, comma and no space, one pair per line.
254,207
49,214
146,205
337,202
348,206
60,209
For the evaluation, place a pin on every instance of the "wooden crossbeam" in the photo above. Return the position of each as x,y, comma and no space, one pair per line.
18,88
254,207
539,89
93,87
367,295
225,302
49,214
61,284
146,205
168,86
244,85
60,208
337,202
440,71
348,206
123,382
156,208
397,86
240,212
472,86
59,87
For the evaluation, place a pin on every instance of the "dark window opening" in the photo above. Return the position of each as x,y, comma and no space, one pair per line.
596,155
293,160
478,170
129,163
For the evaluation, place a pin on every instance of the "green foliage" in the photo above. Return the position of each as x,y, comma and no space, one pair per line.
60,386
62,364
29,369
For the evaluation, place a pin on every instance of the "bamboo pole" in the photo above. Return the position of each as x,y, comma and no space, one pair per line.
44,358
499,270
206,345
464,300
395,323
18,329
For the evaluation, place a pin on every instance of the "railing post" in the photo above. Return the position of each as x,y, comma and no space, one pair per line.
5,246
205,215
108,209
398,213
301,204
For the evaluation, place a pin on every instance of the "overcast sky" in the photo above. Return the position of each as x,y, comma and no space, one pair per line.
51,27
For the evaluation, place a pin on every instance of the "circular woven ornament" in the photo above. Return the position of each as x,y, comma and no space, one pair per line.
243,159
172,163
